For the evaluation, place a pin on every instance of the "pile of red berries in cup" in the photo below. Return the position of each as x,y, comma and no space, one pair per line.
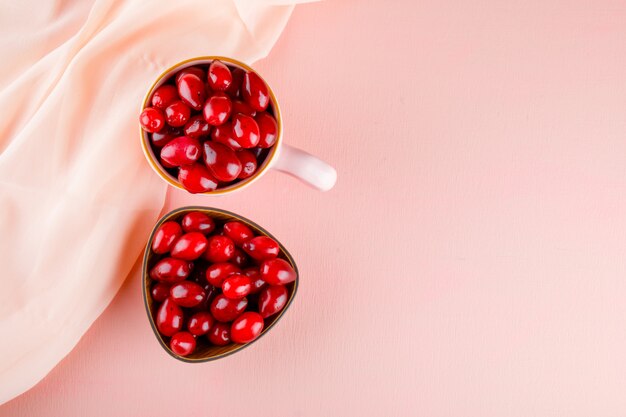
218,282
211,126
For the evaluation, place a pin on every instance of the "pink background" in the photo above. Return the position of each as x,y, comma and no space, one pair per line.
469,262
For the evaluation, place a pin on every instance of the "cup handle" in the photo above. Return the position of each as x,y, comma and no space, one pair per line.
306,167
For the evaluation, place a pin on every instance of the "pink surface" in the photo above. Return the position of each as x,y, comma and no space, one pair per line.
469,262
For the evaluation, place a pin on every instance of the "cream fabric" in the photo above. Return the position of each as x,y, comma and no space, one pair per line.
77,199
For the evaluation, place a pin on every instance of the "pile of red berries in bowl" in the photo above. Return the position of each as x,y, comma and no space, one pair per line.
214,282
210,126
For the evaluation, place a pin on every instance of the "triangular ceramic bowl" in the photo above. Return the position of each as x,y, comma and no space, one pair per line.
204,351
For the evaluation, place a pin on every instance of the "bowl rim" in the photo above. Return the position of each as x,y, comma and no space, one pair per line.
145,288
145,139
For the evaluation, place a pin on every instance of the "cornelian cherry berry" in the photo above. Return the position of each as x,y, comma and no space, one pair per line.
234,89
196,178
219,76
248,163
177,113
221,161
246,327
187,294
255,277
243,107
226,309
200,323
152,120
197,127
272,299
165,236
245,131
164,96
181,151
183,343
268,130
162,138
170,270
277,272
224,134
198,72
239,258
191,90
189,246
255,91
169,318
160,291
261,248
218,272
219,335
217,109
220,249
236,286
197,221
238,232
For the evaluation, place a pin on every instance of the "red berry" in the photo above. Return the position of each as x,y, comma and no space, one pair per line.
225,309
255,91
183,343
236,286
197,127
177,113
224,134
240,258
164,96
277,272
197,221
200,323
268,130
243,107
234,90
181,151
191,90
170,270
219,335
198,72
245,131
152,120
162,138
216,273
219,76
189,246
238,232
221,249
187,294
246,327
217,109
169,318
160,291
272,299
196,178
165,236
257,281
221,161
248,163
261,248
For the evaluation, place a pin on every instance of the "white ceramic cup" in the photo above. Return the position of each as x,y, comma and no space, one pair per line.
281,156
